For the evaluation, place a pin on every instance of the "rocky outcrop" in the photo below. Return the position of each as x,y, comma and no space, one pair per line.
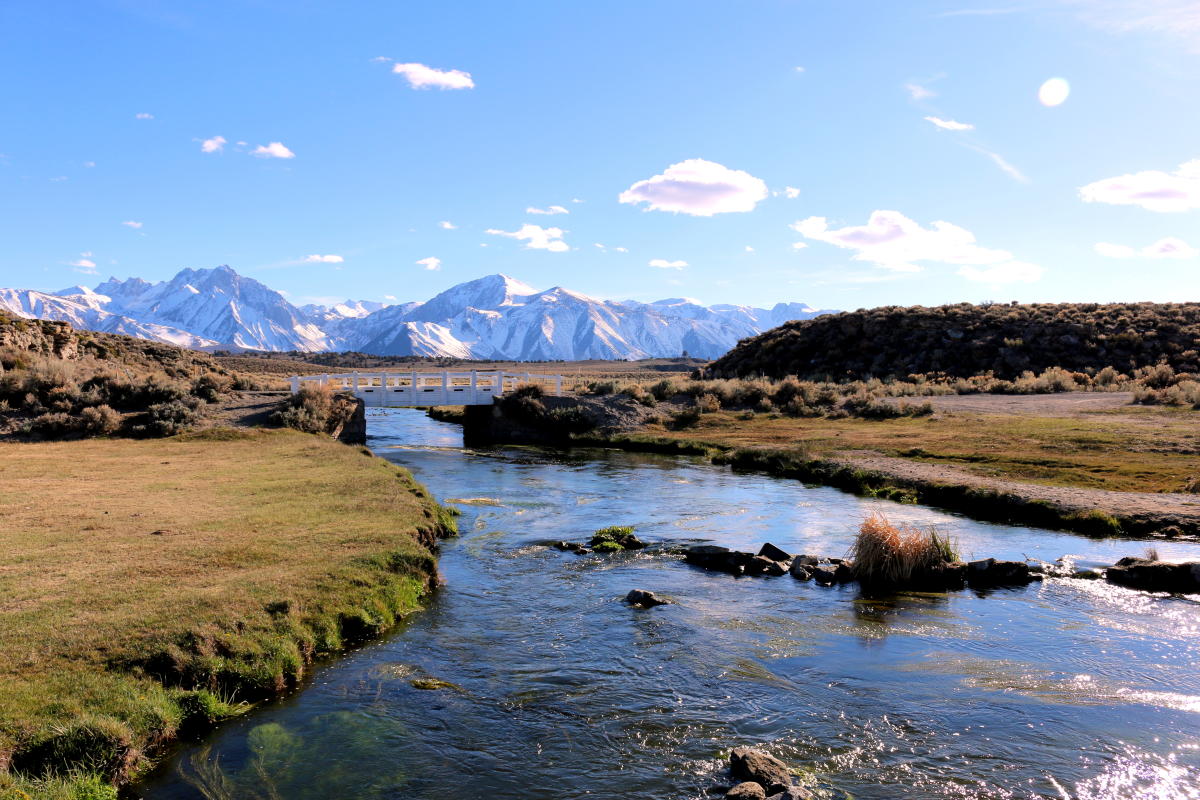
350,426
1156,576
989,572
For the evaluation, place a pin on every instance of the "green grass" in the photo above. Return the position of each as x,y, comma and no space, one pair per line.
152,586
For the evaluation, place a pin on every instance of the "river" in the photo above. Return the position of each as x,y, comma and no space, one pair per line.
557,689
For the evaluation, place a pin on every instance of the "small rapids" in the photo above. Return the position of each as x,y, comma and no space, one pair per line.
528,677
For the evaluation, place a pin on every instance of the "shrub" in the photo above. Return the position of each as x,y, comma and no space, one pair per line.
100,420
55,424
209,388
166,419
685,418
707,403
664,389
884,554
308,410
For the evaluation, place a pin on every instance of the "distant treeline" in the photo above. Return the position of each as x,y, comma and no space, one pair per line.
965,340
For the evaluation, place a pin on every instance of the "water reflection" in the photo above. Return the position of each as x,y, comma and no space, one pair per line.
546,685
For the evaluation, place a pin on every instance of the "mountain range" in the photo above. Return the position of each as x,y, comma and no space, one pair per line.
494,317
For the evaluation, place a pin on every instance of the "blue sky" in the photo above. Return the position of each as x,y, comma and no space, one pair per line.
844,154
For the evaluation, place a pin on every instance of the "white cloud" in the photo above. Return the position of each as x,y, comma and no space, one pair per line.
214,145
380,60
799,245
1153,190
749,249
698,187
537,237
143,115
1000,162
431,263
576,200
89,164
950,125
662,263
621,249
273,150
420,76
132,224
84,263
389,297
58,179
895,242
791,192
799,69
319,259
600,246
1169,247
447,225
1008,272
550,211
918,92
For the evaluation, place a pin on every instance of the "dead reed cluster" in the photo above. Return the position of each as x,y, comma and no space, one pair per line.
886,554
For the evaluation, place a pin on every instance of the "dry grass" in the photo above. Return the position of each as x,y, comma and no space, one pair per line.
884,554
221,561
1138,449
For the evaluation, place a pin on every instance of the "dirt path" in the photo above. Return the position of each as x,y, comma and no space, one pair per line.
1149,508
242,410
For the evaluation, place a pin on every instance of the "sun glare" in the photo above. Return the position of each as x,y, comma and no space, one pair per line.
1054,92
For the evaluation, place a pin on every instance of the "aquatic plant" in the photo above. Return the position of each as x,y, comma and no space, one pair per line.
884,553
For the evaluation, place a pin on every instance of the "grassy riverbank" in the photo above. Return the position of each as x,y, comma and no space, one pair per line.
147,587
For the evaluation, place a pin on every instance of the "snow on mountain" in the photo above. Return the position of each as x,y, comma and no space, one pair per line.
84,308
220,305
493,317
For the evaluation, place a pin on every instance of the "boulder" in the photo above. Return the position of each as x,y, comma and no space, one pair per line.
718,558
947,575
1155,576
752,764
800,572
844,572
825,574
761,565
990,572
747,790
808,561
1087,574
774,553
644,599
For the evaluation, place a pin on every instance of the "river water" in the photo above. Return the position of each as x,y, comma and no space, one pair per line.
557,689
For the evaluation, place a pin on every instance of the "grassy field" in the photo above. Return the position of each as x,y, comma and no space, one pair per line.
1141,449
148,586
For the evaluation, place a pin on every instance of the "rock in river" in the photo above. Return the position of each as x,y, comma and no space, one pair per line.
1155,576
751,764
645,599
747,790
774,553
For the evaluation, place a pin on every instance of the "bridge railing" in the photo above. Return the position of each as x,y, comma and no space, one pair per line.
444,388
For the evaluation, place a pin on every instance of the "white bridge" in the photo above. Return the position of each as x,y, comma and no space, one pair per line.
424,389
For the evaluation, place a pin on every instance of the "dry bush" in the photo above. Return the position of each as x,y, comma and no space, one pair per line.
884,554
707,403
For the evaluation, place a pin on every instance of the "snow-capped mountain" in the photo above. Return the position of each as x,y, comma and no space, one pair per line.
494,317
218,304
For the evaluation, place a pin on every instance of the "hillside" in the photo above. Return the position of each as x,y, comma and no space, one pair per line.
58,382
964,340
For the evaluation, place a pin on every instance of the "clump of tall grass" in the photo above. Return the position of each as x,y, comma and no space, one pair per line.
886,554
